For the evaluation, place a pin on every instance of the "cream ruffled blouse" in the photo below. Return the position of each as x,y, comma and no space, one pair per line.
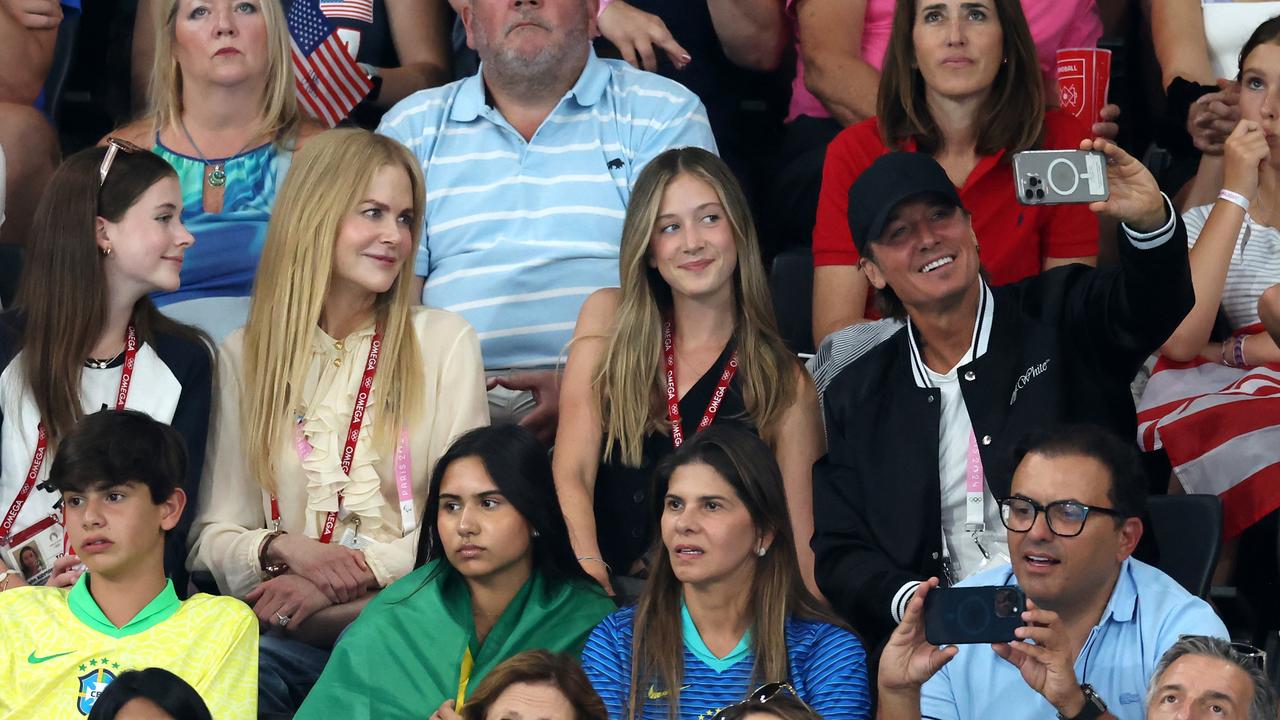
234,513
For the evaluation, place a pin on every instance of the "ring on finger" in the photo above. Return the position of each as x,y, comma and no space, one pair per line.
282,620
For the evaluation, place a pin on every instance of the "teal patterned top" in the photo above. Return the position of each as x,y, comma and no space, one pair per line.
222,262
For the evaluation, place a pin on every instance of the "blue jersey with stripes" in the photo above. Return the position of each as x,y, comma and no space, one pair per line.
518,233
827,666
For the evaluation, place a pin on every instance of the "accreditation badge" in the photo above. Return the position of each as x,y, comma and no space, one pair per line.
32,550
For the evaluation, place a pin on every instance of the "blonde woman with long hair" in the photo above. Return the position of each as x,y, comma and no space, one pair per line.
687,340
335,401
221,111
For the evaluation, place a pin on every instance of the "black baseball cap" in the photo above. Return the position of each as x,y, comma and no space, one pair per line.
892,179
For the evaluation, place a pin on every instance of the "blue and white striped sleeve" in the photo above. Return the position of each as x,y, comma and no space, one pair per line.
675,118
604,661
835,675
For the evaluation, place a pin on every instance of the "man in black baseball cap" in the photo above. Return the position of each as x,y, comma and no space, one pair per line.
901,193
920,429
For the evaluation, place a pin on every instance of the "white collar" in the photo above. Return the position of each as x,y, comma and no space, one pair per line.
977,347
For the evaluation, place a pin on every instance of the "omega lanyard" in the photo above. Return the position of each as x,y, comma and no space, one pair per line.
42,443
673,402
404,488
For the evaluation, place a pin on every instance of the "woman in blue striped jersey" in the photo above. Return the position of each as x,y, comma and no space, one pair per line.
724,608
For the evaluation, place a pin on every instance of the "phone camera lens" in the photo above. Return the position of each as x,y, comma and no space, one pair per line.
1034,181
1030,193
1040,193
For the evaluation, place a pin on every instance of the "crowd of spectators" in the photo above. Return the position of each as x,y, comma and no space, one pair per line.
477,406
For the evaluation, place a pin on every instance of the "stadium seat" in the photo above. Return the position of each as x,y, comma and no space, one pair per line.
1188,534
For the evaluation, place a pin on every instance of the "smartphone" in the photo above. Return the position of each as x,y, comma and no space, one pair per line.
1057,177
988,614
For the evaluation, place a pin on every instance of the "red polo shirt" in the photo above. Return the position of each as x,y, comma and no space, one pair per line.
1014,238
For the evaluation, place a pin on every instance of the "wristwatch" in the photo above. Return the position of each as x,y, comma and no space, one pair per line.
1093,705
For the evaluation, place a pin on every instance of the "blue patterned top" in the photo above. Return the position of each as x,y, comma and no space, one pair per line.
827,667
224,258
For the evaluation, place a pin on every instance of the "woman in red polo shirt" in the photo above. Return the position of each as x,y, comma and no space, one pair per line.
962,83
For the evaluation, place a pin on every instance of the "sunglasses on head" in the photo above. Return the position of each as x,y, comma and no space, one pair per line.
762,695
114,145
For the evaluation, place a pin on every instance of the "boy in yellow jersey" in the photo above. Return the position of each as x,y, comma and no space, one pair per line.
118,473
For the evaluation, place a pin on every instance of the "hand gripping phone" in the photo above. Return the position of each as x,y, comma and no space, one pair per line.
1057,177
957,616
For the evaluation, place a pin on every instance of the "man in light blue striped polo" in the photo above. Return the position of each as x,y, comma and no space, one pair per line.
529,165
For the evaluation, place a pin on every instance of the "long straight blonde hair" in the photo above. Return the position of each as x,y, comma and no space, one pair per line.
280,114
329,176
630,373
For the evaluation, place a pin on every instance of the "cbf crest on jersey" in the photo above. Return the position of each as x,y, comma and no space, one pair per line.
92,684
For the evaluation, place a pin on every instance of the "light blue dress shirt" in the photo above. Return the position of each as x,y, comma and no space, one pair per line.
1146,614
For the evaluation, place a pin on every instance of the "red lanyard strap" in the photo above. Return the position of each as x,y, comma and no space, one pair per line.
37,461
353,434
673,402
42,437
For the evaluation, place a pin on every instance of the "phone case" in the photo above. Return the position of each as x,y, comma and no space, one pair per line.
988,614
1056,177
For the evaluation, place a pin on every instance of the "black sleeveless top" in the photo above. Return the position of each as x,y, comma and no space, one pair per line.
625,509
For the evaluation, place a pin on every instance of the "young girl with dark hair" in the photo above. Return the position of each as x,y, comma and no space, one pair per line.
724,608
84,335
495,576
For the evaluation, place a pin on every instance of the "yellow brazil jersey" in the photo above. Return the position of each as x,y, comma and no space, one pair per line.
58,651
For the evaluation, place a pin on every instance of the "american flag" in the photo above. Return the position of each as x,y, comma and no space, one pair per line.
361,10
1221,429
329,83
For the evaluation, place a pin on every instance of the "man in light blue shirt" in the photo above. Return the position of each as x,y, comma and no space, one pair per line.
529,166
1099,619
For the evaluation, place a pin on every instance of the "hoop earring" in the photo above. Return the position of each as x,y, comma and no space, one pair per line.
106,252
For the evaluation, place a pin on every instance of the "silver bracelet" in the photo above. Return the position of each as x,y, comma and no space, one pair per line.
600,560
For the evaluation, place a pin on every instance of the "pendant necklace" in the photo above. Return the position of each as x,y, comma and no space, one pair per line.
98,364
218,173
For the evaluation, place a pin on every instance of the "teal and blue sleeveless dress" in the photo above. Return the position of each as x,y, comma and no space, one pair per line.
218,270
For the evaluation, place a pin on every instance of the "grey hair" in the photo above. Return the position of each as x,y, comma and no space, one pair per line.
1263,706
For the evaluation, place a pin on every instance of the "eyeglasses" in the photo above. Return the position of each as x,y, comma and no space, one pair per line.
762,695
1065,517
114,145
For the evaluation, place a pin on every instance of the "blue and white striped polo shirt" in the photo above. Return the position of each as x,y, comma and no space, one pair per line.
519,233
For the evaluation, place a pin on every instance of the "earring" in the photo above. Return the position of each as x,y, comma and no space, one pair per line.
760,551
1004,60
106,252
537,534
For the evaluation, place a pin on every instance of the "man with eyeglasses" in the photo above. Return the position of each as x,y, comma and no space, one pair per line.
919,428
1097,620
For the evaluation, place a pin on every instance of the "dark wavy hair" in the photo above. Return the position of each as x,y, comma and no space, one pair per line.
519,466
169,692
